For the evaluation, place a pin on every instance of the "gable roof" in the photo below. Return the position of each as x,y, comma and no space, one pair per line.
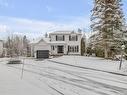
64,32
47,40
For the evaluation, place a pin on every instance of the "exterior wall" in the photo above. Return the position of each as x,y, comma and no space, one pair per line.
68,43
53,38
75,43
54,52
1,48
44,45
41,46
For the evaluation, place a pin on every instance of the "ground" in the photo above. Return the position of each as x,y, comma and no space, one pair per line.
67,75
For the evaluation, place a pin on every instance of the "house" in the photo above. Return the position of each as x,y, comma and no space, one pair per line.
1,48
58,43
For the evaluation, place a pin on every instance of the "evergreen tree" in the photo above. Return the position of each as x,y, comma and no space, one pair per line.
108,19
83,46
83,42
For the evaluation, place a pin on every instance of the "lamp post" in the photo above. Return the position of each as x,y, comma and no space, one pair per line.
122,47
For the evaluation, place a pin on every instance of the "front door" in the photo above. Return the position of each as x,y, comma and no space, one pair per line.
59,49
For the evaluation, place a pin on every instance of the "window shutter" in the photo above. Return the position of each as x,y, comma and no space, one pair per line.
77,48
69,38
56,38
63,37
68,49
76,38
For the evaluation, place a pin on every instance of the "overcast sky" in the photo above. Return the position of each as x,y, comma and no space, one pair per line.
35,17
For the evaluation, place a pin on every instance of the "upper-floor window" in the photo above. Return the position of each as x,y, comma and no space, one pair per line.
73,38
60,38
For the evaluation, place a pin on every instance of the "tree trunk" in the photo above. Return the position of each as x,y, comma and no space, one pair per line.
105,51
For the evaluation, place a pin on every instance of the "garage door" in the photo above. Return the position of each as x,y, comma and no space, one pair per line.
42,53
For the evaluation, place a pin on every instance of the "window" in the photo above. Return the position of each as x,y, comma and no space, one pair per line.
73,49
73,38
56,38
76,38
52,47
60,38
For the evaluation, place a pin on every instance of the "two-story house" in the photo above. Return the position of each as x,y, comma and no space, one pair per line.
58,43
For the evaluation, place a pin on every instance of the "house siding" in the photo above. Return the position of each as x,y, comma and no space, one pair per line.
57,46
68,42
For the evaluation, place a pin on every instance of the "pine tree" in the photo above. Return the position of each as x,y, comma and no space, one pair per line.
83,44
108,20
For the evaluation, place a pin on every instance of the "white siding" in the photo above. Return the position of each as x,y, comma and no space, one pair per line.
70,43
41,46
44,45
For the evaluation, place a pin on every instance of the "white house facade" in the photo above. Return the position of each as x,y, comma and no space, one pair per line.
1,48
58,43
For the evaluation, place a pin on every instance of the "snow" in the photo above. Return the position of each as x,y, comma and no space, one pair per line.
11,84
47,77
92,62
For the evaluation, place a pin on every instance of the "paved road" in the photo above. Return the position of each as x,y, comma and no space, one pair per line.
59,79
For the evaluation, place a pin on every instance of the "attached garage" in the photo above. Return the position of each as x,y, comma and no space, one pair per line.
41,48
42,54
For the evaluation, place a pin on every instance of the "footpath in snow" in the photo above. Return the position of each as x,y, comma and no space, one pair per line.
93,63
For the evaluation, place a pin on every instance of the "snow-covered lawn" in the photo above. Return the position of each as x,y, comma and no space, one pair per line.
12,84
94,63
45,77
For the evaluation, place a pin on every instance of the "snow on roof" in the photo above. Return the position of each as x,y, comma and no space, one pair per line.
47,40
65,32
58,42
35,41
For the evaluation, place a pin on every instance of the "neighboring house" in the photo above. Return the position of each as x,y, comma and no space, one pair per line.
58,43
1,48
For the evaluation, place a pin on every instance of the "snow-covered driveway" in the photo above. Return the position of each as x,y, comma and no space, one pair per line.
51,78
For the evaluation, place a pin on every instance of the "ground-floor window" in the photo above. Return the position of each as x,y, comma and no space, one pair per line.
52,47
73,48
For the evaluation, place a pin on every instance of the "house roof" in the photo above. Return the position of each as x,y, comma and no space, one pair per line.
65,32
34,41
47,40
58,42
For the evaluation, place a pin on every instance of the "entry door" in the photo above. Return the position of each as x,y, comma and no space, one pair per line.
60,49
